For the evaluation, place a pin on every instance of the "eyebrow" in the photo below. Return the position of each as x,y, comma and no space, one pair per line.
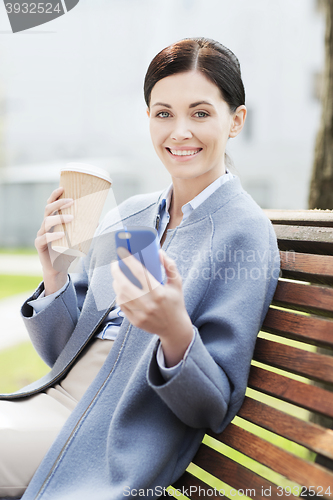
193,105
162,104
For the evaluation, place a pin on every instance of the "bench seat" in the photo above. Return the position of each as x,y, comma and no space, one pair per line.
280,444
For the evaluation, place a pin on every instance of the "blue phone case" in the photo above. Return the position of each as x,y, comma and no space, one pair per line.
143,243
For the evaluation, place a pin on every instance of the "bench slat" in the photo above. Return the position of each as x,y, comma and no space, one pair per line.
307,267
306,396
312,436
314,330
318,218
305,239
308,298
308,364
233,473
305,234
293,468
187,480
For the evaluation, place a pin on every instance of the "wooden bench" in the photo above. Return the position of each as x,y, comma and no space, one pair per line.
274,448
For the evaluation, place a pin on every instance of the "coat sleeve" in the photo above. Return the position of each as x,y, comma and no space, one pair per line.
50,329
209,389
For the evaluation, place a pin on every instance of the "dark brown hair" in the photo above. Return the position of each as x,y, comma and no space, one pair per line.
211,58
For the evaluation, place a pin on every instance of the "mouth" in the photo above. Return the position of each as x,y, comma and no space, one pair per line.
184,153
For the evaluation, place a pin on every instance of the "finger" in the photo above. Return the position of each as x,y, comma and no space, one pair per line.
43,240
131,312
55,194
123,285
54,220
125,290
136,268
170,267
61,204
146,279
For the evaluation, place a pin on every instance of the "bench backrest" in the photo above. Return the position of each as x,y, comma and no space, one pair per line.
268,451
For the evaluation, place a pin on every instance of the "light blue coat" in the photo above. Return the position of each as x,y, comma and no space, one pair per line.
133,430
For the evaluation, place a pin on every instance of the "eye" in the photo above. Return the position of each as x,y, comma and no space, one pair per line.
201,114
163,114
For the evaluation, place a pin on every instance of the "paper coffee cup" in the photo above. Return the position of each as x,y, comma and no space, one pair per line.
88,186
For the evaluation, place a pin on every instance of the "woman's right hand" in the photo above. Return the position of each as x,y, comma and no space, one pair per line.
55,266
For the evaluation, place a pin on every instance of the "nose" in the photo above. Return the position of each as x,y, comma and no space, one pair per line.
181,131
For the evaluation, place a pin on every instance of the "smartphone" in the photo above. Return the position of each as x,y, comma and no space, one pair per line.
143,243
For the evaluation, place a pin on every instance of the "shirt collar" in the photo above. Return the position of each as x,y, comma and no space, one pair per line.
197,200
166,200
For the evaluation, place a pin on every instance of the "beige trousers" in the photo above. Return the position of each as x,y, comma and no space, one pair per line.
29,426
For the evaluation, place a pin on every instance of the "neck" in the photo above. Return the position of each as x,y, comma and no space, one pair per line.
184,190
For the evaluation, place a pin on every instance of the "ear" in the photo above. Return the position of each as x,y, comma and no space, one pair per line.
148,113
238,120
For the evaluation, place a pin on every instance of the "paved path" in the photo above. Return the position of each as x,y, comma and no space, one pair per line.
28,265
12,329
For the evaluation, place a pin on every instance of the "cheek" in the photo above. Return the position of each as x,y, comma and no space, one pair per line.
155,131
220,136
158,134
212,138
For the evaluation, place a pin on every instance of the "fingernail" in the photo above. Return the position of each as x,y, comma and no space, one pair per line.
122,252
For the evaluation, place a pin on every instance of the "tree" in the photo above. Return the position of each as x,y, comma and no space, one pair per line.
321,188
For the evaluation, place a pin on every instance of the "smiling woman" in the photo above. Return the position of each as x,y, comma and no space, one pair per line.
209,76
138,373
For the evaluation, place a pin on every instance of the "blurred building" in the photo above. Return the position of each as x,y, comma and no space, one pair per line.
72,90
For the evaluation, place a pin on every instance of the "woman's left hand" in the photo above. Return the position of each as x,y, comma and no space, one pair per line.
155,308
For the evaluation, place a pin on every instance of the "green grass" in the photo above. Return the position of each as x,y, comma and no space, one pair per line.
12,284
19,366
18,251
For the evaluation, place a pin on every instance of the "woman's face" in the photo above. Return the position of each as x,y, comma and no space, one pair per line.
190,124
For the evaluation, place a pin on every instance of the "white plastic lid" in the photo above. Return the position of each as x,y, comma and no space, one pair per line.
84,168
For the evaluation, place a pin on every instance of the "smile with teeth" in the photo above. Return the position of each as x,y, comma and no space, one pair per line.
184,152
